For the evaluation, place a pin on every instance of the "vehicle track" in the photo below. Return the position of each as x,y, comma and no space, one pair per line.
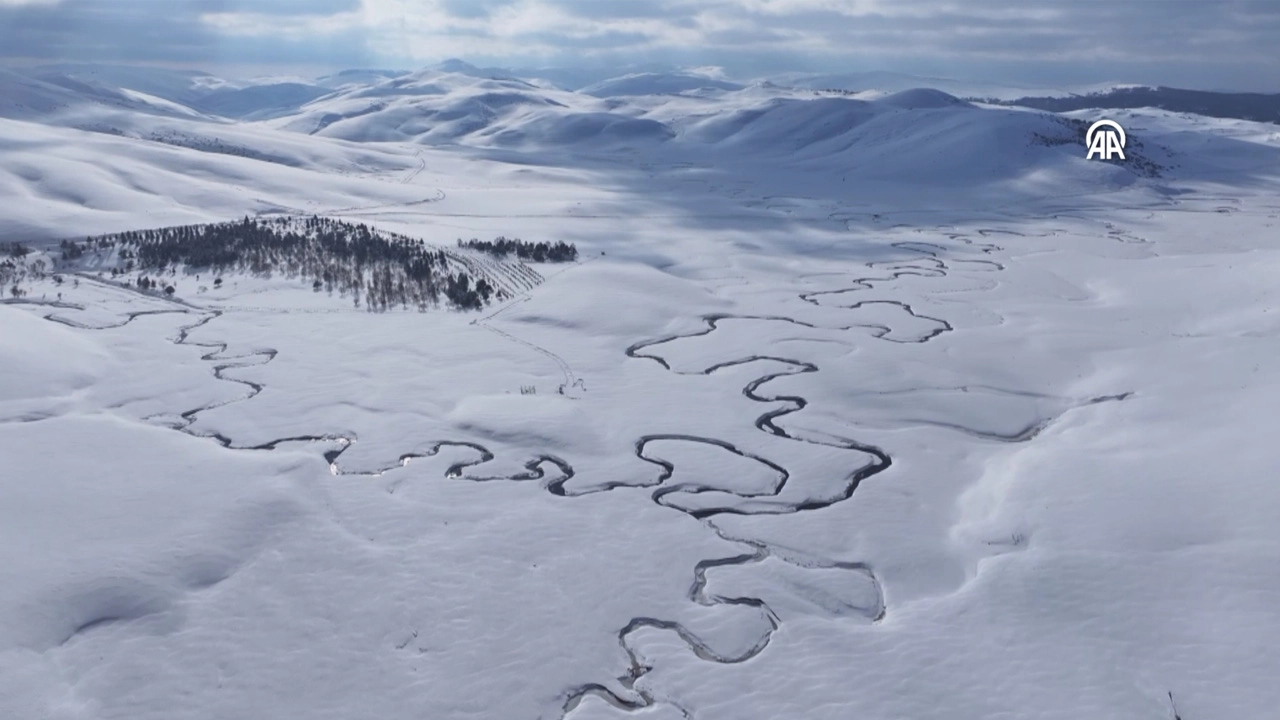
570,380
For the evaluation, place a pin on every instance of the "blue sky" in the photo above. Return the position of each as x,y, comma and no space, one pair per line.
1223,44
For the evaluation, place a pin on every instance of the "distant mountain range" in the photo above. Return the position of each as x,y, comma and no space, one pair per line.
104,143
1257,107
42,89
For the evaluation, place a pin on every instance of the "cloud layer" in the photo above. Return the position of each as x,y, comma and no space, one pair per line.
1210,43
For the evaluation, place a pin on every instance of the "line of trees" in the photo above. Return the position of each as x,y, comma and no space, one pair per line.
537,252
382,269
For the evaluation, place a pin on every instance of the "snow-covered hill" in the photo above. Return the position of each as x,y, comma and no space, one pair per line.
891,82
656,84
921,135
350,78
434,107
184,87
62,98
156,90
259,101
339,151
1256,107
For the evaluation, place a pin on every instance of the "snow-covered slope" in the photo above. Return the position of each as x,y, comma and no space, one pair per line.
895,82
257,101
656,84
47,88
435,107
180,86
915,135
63,182
349,78
337,152
24,96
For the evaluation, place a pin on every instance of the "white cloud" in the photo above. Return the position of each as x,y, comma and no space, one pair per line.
253,24
1220,40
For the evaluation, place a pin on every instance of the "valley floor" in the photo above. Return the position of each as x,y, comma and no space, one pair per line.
784,456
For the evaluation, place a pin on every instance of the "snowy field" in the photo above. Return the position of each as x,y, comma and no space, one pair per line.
881,408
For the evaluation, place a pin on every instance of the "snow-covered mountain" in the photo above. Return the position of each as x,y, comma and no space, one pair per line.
349,78
52,98
437,107
46,91
184,87
259,101
921,136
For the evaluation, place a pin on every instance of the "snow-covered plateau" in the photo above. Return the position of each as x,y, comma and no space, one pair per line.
888,406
